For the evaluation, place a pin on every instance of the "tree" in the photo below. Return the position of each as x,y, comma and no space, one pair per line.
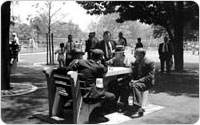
5,24
131,29
172,15
49,15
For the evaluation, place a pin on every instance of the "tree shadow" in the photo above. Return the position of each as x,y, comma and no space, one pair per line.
28,74
178,83
24,106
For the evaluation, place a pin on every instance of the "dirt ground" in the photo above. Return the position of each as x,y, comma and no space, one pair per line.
178,93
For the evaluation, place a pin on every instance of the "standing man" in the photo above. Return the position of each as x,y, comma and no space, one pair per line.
122,40
139,44
90,43
70,45
119,86
16,39
165,54
142,78
107,45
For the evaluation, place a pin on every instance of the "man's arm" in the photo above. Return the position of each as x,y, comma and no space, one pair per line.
150,75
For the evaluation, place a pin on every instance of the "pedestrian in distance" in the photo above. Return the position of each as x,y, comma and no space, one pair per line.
165,55
121,41
139,43
61,55
70,45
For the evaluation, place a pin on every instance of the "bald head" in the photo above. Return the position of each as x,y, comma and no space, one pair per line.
139,53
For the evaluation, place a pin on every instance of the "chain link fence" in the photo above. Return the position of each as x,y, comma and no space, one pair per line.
28,46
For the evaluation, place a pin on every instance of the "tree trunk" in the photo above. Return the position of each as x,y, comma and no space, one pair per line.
178,38
5,55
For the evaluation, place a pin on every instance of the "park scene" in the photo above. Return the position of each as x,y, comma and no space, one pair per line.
100,62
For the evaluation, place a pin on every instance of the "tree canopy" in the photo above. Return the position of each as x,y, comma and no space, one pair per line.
162,13
171,15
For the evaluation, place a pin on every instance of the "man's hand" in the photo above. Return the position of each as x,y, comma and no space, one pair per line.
132,83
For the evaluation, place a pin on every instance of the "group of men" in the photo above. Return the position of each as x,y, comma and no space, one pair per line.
107,52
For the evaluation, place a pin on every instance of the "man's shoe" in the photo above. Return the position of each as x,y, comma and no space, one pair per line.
99,119
141,112
121,110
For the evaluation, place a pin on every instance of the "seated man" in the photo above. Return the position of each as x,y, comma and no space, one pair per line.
142,78
120,85
92,69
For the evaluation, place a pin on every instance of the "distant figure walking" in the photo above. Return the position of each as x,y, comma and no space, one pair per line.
61,55
121,40
138,44
165,54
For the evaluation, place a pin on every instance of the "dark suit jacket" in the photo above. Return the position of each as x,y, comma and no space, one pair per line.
147,73
89,70
101,45
165,54
138,45
91,44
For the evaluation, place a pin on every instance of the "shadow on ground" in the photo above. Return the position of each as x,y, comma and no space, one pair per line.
24,106
28,74
178,83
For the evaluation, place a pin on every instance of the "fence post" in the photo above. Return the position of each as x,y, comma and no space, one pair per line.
52,48
50,57
47,48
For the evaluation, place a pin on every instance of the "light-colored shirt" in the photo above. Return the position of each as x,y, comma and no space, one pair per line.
165,47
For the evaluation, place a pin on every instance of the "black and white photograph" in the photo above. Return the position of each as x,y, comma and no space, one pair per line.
99,62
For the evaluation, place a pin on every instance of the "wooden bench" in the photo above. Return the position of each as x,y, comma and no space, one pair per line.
81,110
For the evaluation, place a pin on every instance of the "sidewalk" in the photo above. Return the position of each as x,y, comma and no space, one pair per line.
178,93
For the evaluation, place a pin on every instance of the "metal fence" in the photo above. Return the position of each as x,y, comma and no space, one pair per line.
40,45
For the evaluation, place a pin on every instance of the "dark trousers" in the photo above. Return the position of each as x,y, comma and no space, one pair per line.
137,90
89,55
121,91
165,60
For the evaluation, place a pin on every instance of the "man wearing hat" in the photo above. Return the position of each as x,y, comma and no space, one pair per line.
90,70
119,58
119,86
142,78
